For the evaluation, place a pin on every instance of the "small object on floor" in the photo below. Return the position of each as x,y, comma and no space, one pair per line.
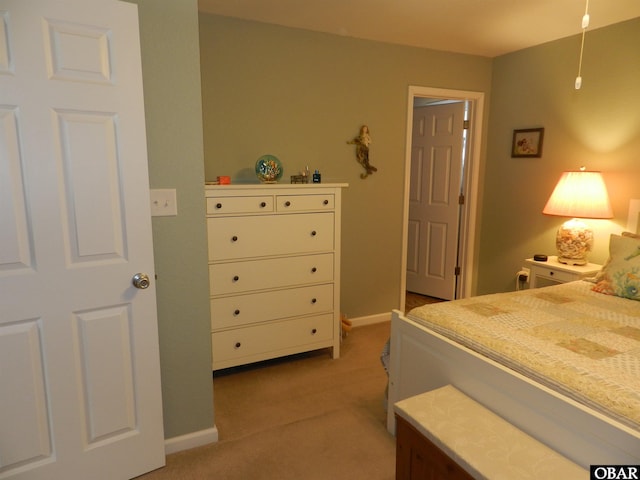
346,324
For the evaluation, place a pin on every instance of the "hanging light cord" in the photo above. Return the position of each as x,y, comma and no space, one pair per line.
585,24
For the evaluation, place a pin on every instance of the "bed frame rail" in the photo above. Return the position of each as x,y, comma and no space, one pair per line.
422,360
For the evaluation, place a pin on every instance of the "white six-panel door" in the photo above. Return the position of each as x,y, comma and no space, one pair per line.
79,364
436,170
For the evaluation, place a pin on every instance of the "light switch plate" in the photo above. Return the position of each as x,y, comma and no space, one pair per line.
163,202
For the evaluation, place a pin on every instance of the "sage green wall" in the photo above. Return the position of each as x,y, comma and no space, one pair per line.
171,76
597,126
301,95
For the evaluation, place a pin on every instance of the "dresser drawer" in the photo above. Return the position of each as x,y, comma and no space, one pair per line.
234,347
553,274
240,310
300,203
243,276
224,205
261,236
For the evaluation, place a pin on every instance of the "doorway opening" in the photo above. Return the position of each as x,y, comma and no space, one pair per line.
440,247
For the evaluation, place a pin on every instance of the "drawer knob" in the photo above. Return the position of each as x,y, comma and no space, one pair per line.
236,312
313,233
234,238
237,345
314,270
218,205
263,204
551,273
314,300
236,278
314,331
287,203
326,202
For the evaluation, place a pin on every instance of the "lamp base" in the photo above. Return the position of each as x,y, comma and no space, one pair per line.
574,241
573,261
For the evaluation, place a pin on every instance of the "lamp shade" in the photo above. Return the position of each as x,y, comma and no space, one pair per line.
580,194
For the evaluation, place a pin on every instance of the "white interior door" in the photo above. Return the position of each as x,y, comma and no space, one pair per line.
79,362
434,190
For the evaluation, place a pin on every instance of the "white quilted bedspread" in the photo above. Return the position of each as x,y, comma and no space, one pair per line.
583,344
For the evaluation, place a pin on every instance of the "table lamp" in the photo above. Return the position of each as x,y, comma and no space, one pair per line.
578,194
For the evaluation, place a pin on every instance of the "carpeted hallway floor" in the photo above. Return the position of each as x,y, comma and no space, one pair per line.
413,300
303,417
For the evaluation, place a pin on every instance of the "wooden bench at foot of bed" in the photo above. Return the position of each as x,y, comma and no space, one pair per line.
443,434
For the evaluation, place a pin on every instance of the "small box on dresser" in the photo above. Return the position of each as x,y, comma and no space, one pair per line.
274,270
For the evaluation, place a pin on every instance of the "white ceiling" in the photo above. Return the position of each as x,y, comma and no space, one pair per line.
480,27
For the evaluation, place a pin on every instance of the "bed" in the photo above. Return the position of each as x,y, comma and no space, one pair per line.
561,363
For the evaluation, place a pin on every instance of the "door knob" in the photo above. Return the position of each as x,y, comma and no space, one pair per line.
141,280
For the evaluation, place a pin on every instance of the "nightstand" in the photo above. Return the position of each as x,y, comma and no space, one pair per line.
552,272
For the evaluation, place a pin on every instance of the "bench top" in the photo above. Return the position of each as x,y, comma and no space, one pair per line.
481,442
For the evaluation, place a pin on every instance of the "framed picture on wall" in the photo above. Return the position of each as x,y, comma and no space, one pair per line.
527,142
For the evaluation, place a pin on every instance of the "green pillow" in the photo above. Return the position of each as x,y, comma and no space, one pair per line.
620,276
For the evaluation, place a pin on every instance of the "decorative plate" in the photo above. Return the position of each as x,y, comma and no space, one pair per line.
268,169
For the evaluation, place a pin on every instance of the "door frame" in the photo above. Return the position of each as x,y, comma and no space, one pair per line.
467,248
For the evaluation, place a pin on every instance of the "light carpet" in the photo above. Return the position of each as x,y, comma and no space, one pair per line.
304,417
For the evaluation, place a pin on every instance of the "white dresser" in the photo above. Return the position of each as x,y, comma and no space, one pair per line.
274,270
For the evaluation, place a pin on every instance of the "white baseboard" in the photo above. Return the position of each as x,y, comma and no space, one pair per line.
190,440
371,319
